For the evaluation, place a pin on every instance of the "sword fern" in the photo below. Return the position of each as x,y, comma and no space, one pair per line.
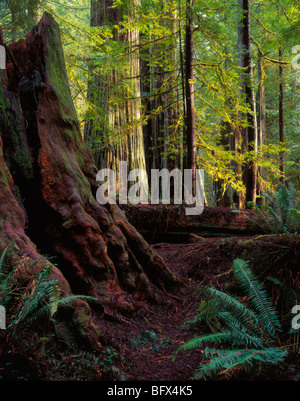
38,300
247,332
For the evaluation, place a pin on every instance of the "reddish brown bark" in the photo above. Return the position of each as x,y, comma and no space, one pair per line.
190,101
250,132
98,252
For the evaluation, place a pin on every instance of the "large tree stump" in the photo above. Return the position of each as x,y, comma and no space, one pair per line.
48,186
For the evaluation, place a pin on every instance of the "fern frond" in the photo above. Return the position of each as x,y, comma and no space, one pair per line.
257,295
278,223
236,308
218,360
36,300
223,362
68,300
71,298
291,297
252,329
3,257
240,334
294,220
263,215
33,316
199,341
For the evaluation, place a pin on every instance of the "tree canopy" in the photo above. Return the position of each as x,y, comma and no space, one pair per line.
159,52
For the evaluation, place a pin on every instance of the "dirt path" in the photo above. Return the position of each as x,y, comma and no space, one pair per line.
149,341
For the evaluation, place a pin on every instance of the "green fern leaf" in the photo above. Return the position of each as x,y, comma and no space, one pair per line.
199,341
224,362
257,296
3,257
230,304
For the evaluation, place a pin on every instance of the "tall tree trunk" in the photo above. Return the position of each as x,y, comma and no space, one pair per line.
190,102
162,133
280,119
117,135
250,133
182,79
240,144
262,115
172,132
154,104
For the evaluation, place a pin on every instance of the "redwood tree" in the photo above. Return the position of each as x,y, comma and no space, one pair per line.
159,82
249,133
48,191
189,93
113,128
280,120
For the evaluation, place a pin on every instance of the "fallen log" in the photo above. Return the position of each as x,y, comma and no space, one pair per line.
157,221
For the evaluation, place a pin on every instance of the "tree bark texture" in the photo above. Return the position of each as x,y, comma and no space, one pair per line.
190,102
250,133
118,134
48,188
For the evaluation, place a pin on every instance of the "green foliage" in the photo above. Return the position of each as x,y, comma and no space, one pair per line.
106,363
149,340
248,331
17,16
33,301
280,214
100,62
9,289
291,298
86,365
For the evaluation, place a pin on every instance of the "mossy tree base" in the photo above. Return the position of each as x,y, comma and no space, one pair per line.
48,189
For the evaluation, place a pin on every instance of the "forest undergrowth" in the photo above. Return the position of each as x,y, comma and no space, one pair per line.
142,347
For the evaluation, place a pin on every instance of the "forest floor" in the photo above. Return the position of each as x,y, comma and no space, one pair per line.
142,347
149,341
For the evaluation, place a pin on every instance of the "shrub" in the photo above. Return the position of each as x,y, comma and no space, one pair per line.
280,214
